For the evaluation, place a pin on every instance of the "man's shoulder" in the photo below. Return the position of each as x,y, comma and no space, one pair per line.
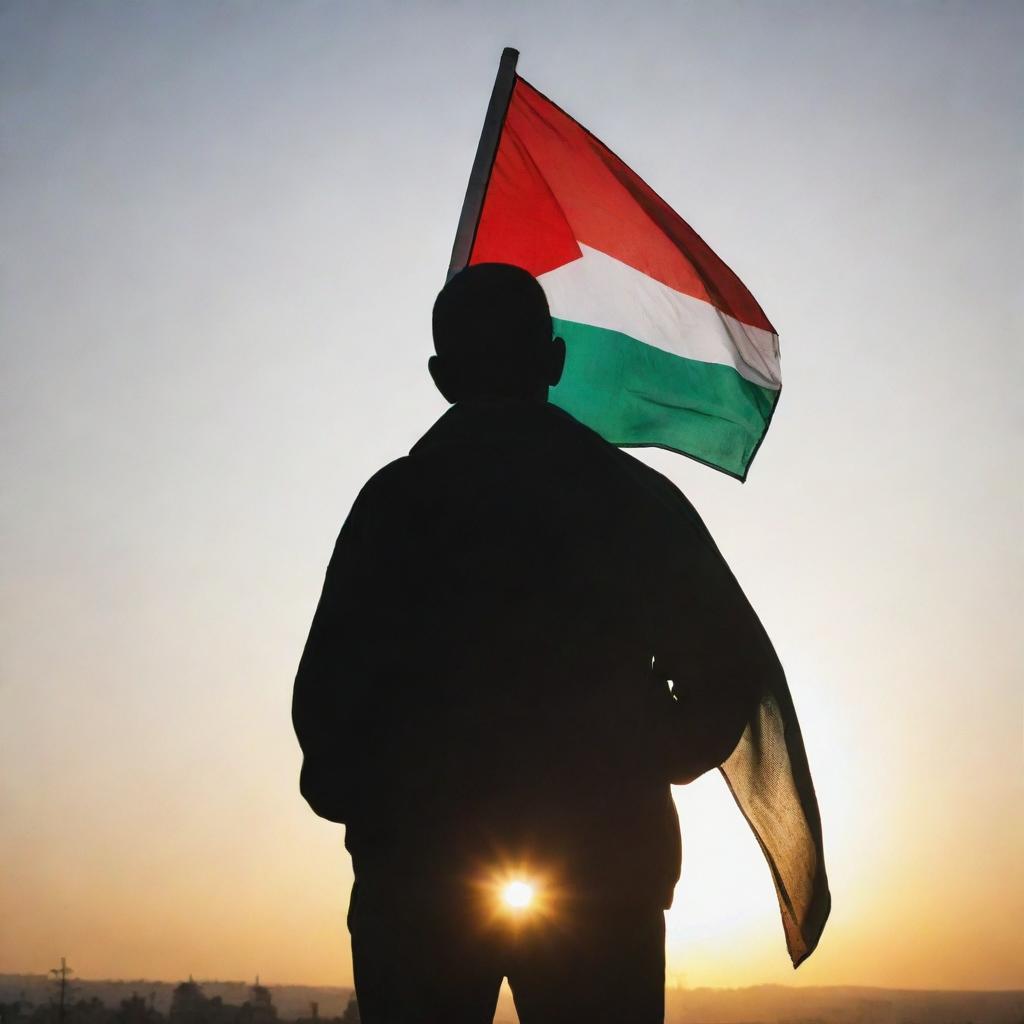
658,487
388,483
461,430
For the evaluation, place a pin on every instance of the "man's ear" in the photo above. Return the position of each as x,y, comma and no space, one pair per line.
555,361
443,378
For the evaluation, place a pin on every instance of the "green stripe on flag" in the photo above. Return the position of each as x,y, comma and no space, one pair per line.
636,395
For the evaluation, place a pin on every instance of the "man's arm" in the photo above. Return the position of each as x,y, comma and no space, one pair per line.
331,677
716,682
713,650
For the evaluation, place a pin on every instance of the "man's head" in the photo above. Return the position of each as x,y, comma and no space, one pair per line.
492,335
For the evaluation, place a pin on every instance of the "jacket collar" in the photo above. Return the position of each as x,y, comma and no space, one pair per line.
491,418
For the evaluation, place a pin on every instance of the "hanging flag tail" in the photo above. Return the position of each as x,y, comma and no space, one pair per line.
666,346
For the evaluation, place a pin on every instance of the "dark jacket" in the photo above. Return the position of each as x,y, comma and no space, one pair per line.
525,636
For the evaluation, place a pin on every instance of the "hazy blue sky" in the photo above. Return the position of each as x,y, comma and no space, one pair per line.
222,226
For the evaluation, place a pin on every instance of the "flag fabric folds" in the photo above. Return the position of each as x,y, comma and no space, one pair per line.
666,347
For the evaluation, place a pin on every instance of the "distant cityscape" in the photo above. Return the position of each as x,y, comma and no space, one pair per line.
62,998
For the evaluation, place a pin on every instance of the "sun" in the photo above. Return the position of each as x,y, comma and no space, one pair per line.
517,894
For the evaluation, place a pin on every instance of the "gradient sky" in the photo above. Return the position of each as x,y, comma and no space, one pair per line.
223,226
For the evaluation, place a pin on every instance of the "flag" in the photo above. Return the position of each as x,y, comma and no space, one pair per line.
665,345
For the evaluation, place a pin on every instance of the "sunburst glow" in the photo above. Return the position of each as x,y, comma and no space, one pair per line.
517,894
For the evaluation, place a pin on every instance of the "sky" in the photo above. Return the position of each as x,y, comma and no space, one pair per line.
223,226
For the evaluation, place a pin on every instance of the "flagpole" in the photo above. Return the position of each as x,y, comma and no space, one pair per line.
486,150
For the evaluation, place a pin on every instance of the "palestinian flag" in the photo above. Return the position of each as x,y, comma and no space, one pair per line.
665,345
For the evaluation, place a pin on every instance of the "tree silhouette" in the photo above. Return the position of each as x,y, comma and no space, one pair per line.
259,1007
188,1004
135,1010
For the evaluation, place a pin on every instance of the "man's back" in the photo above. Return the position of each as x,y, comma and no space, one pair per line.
499,662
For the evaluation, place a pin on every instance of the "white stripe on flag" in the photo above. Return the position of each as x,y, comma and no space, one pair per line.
599,290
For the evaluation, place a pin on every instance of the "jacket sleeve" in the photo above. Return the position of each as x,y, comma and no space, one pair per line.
712,657
332,676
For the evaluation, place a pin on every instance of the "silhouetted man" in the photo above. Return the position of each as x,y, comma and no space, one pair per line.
525,636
